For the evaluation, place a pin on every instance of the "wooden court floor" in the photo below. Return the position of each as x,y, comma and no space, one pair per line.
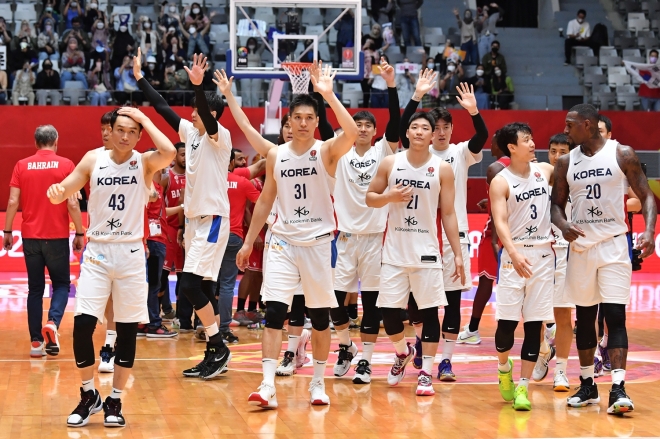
37,395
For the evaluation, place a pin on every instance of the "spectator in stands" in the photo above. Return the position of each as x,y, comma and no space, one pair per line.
49,12
490,15
148,37
196,28
47,84
468,36
48,42
5,34
100,33
23,81
379,94
99,83
650,97
369,60
480,84
3,87
501,90
494,59
447,84
251,88
176,83
405,84
345,34
376,35
25,31
23,53
91,15
174,52
577,34
154,74
382,11
122,45
79,33
127,88
72,65
169,18
71,11
409,21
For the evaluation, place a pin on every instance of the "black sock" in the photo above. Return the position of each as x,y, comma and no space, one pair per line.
216,339
240,304
352,310
474,324
252,306
549,325
262,306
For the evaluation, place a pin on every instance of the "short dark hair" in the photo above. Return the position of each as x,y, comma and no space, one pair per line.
45,135
76,19
280,138
106,119
653,51
423,115
235,150
509,134
365,115
232,155
559,139
495,42
441,113
214,101
582,11
606,120
115,115
587,112
179,145
303,100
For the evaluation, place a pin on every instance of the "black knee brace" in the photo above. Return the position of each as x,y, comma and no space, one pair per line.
276,314
504,335
451,322
208,288
585,334
431,329
320,318
191,287
125,349
601,321
532,341
339,315
392,320
615,316
83,342
414,316
371,315
297,315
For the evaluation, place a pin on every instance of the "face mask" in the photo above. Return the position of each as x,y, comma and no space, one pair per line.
430,65
451,68
173,9
47,66
74,4
147,25
99,25
480,73
123,28
653,59
195,11
171,30
152,66
93,6
252,47
498,72
495,49
23,45
49,28
49,10
580,20
192,30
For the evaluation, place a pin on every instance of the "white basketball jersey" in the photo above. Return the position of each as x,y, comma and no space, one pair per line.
598,190
559,237
354,173
412,231
305,215
528,207
272,214
117,200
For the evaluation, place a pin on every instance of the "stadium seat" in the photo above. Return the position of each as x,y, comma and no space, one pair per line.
627,97
607,51
415,54
631,52
615,80
617,70
585,60
434,39
603,97
647,42
25,12
637,24
6,12
637,59
606,61
74,92
594,80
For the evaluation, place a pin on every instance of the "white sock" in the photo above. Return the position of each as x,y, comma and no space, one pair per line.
116,393
427,364
269,366
343,336
524,382
211,330
545,348
503,367
418,331
401,347
110,338
448,349
319,369
367,350
88,385
293,343
587,372
561,364
603,341
618,376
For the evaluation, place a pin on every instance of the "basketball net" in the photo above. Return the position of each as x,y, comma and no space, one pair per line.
299,74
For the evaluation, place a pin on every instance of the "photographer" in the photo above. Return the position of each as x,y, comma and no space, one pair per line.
405,84
48,42
169,19
72,10
79,33
49,12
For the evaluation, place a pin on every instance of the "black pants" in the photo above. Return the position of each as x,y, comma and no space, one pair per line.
569,43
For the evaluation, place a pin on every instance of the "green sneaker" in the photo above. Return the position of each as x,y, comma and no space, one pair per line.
506,382
520,401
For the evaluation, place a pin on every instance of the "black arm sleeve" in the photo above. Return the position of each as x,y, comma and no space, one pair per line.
325,129
477,142
394,124
204,112
159,104
405,118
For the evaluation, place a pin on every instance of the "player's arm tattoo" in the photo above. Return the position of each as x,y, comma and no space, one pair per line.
629,163
560,192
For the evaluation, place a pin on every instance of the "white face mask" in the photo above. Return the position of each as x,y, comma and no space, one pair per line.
93,6
192,30
498,72
74,4
195,11
480,73
171,30
123,28
580,20
252,47
147,25
451,68
100,25
173,9
152,66
49,28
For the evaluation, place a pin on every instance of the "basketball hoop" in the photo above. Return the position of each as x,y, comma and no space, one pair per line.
299,74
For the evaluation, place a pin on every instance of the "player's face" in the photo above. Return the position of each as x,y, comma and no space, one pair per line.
196,121
366,131
557,150
125,134
240,161
106,131
303,122
576,129
525,148
495,150
442,133
180,157
420,133
602,128
287,132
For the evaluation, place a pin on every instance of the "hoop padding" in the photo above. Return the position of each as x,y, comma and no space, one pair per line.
299,74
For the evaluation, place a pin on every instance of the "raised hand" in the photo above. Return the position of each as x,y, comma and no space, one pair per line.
466,97
315,72
223,83
387,73
324,83
137,65
426,82
200,65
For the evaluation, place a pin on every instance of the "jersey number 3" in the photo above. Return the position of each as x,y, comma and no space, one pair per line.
116,202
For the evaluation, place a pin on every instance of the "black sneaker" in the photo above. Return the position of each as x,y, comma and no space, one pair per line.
587,394
229,337
216,363
107,364
90,403
195,371
112,413
620,402
362,373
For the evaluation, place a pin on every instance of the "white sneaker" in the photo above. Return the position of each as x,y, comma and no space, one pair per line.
541,367
467,337
107,364
308,323
264,397
398,370
286,367
301,352
37,349
362,373
549,334
346,355
317,392
424,384
51,339
561,382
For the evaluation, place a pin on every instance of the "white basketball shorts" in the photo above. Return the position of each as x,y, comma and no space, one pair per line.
358,258
396,284
449,267
560,278
206,240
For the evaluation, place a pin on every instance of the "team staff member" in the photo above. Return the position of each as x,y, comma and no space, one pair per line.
45,232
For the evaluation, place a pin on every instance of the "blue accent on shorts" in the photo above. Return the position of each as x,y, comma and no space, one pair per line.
215,229
333,249
630,245
499,260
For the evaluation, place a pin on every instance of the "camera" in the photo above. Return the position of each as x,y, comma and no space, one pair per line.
636,260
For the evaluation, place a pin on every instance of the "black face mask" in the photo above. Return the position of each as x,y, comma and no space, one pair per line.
47,67
495,49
